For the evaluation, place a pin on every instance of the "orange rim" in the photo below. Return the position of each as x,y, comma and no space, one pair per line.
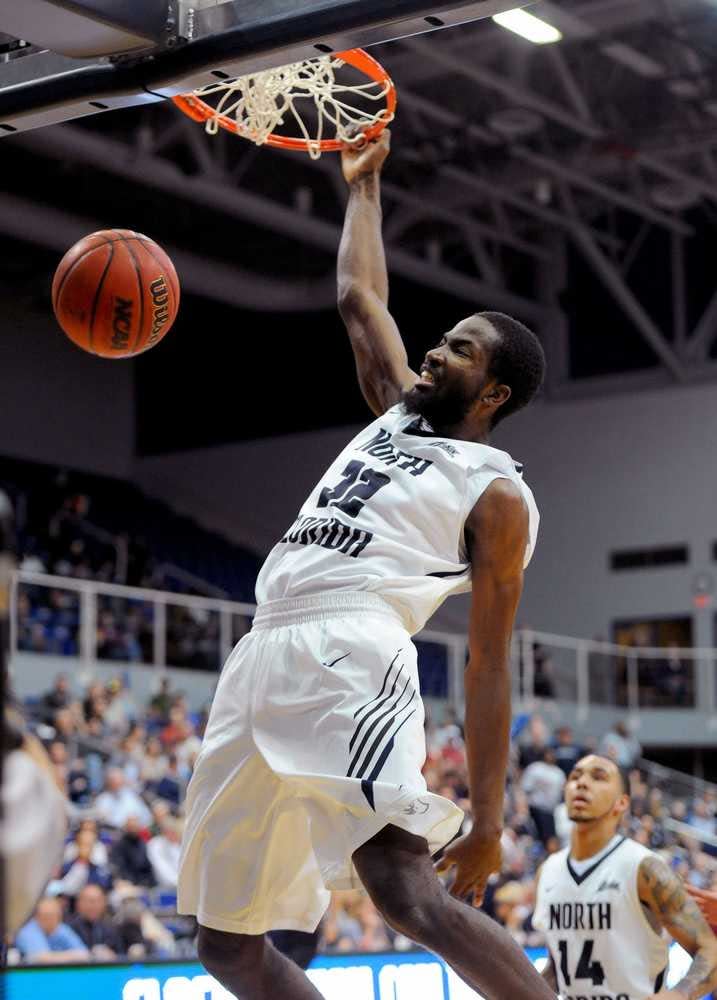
197,109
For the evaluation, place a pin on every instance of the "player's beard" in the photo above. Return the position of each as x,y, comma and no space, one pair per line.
442,406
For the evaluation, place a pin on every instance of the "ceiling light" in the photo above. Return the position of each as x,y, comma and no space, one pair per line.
528,26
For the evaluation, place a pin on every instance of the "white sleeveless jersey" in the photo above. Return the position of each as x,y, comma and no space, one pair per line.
597,930
388,517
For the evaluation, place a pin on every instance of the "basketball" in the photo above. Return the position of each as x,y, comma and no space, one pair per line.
115,293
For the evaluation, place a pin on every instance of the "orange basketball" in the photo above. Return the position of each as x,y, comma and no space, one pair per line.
115,293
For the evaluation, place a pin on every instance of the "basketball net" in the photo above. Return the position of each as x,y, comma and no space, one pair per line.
254,106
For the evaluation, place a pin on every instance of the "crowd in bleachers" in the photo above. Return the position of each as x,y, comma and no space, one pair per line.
124,768
87,527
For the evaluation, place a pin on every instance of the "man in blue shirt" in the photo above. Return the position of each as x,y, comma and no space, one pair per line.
46,940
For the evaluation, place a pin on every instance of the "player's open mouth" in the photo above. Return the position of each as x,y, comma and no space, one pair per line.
427,377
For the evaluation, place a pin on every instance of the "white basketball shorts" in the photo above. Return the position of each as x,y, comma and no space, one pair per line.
314,743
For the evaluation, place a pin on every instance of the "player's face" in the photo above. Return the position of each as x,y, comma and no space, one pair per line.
594,790
454,374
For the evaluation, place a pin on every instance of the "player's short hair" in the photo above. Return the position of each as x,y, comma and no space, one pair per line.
623,773
518,361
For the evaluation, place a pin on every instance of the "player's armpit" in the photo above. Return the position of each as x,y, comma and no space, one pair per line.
665,895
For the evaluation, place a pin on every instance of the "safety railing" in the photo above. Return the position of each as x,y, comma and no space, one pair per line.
105,621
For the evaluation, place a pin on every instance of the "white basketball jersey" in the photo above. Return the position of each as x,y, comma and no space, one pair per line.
388,517
596,928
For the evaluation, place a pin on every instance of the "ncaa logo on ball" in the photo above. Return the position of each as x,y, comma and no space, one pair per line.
121,323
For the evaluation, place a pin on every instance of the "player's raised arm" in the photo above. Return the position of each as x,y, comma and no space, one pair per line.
497,535
660,889
381,361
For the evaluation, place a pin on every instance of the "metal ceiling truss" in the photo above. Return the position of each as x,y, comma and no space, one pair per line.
507,158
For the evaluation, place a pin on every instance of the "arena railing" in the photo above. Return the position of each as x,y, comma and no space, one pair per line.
94,621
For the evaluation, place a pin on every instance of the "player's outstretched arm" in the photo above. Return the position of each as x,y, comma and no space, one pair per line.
666,897
497,535
381,360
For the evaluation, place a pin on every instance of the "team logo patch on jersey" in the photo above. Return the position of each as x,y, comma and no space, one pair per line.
417,806
607,885
444,446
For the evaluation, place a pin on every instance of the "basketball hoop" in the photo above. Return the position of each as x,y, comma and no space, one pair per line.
255,106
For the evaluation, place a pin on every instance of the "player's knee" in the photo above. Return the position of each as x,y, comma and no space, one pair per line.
407,909
224,954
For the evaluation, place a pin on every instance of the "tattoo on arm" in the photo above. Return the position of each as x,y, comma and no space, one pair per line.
665,895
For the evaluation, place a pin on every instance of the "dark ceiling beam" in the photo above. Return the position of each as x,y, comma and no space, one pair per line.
57,229
72,144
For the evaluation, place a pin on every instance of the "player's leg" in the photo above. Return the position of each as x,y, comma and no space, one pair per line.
396,870
251,968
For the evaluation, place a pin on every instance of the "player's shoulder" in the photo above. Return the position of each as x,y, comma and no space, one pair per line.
501,505
631,850
554,865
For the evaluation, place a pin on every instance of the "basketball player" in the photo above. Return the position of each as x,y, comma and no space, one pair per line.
309,777
604,902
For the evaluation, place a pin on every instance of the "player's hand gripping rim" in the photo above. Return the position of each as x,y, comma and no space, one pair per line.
472,858
363,159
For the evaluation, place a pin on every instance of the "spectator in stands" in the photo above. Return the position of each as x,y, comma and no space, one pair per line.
567,751
94,704
92,926
128,923
177,729
543,682
163,853
172,785
510,910
702,819
78,783
161,810
98,854
65,724
188,748
154,763
129,856
118,802
120,710
672,678
161,702
59,696
46,940
543,783
59,757
537,742
81,870
449,731
621,746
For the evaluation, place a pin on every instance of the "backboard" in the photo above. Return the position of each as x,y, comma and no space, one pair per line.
59,62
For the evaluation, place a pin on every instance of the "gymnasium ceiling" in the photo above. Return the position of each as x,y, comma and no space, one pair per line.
574,185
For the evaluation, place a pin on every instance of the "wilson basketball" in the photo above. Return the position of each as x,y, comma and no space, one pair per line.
115,293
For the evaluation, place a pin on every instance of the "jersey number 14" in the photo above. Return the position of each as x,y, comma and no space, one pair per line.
585,969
